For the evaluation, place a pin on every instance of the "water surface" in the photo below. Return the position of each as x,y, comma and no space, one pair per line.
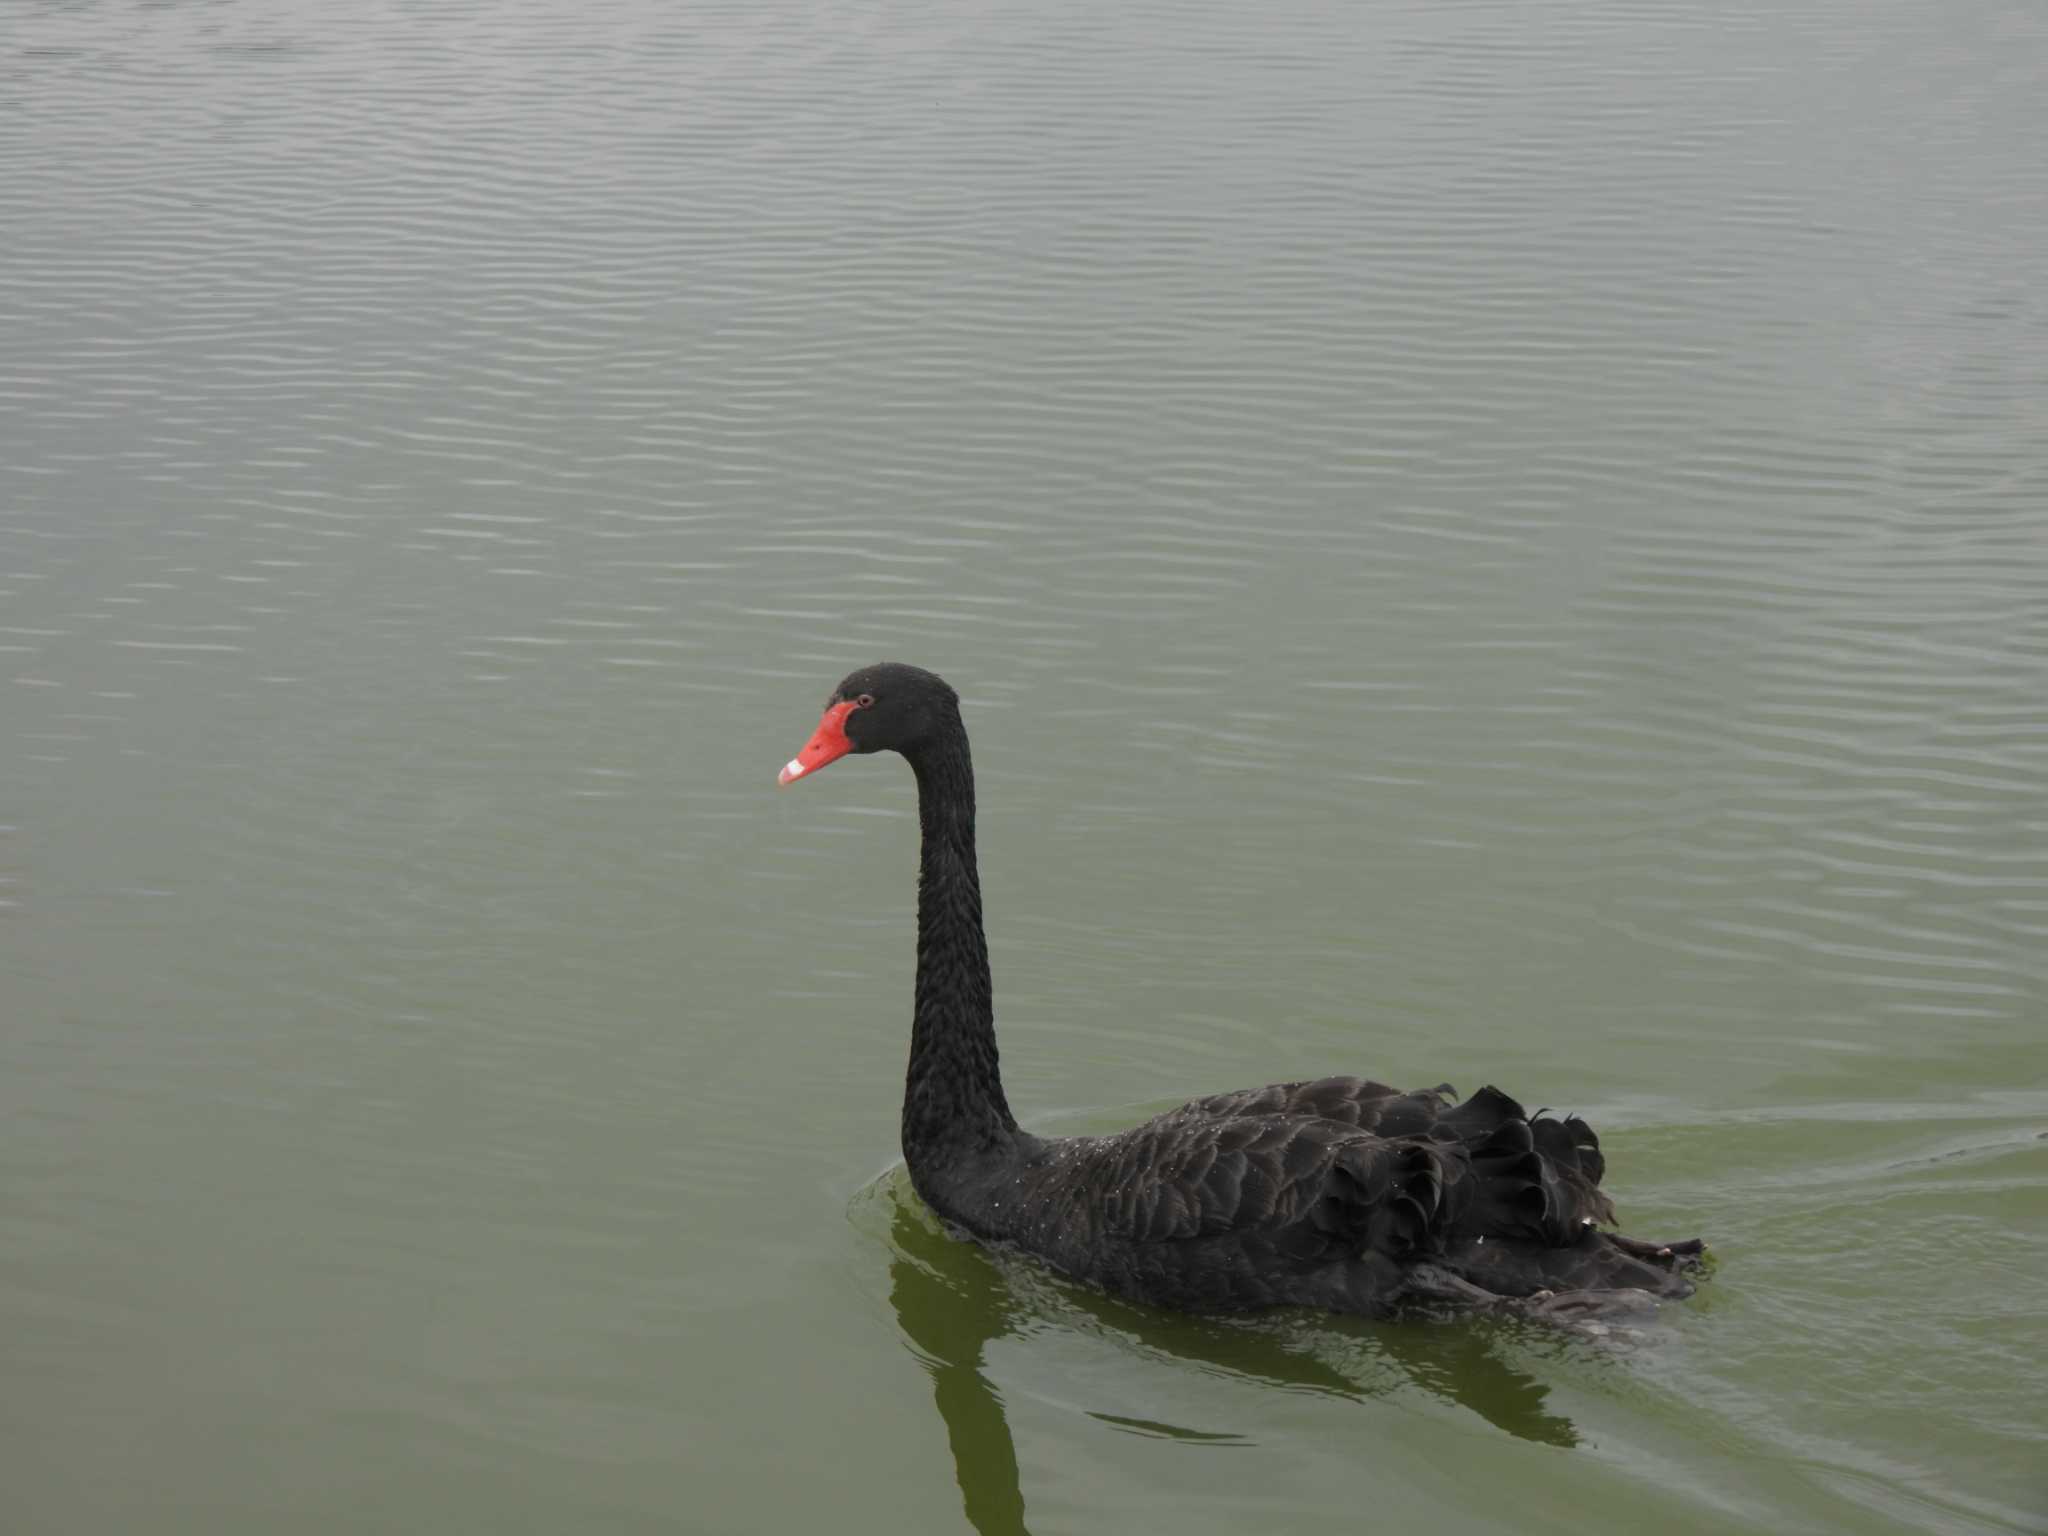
1483,542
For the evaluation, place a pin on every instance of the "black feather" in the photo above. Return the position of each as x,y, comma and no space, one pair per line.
1335,1192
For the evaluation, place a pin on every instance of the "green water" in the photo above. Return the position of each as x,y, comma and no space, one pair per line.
1479,542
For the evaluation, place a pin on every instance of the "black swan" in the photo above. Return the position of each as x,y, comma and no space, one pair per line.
1338,1193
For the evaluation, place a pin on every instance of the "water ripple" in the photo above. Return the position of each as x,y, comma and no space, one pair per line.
1479,532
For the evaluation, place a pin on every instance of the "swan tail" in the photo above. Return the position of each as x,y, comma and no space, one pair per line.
1529,1226
1601,1271
1536,1178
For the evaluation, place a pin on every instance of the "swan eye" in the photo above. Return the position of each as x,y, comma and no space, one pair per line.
864,701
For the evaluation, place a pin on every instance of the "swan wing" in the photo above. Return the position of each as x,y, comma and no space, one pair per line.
1317,1189
1353,1101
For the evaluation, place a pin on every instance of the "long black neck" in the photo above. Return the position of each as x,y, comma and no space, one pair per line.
953,1105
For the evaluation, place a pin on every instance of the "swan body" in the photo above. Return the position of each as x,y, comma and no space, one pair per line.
1336,1193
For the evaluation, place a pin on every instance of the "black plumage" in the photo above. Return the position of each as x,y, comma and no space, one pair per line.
1336,1193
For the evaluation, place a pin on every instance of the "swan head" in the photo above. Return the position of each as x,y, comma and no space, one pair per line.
890,706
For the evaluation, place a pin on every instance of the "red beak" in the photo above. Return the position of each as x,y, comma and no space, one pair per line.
827,744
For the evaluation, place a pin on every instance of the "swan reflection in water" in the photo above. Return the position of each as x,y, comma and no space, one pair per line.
952,1299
